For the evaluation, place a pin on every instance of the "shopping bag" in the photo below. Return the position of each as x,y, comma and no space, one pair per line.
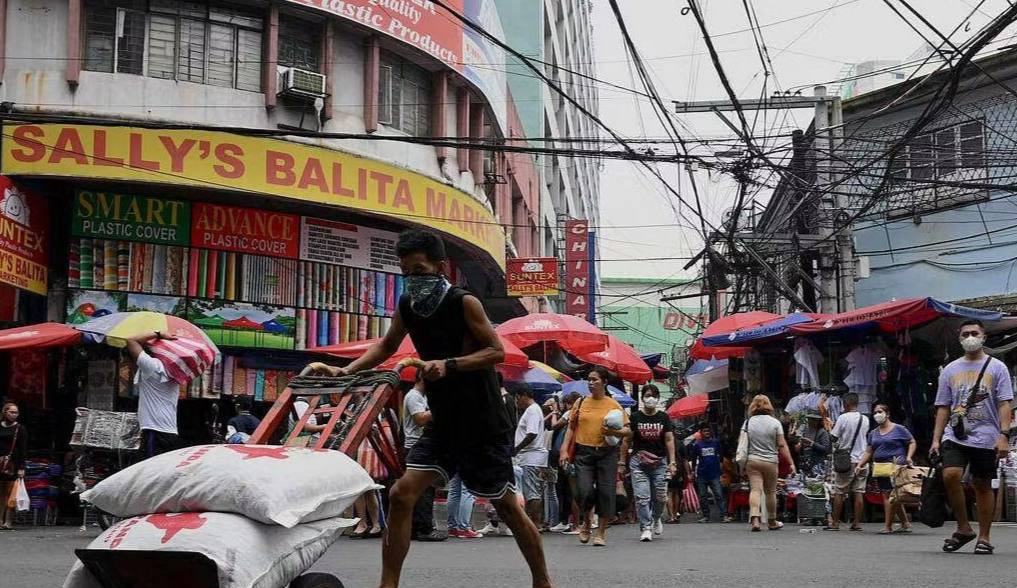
22,500
907,484
690,500
934,506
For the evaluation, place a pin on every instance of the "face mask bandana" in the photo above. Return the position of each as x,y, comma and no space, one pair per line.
426,291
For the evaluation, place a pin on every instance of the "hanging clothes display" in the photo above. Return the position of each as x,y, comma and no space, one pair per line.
863,375
807,360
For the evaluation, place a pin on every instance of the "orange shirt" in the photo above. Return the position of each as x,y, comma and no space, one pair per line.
589,430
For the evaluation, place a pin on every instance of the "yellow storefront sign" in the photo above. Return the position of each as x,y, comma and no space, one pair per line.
249,164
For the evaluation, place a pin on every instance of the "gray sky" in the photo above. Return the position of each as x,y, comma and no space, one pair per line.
805,50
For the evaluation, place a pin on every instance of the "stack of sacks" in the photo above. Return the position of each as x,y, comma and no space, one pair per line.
262,513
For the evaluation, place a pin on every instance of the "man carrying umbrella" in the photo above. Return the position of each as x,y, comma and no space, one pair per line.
157,397
470,433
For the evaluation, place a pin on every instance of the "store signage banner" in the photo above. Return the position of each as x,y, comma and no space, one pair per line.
532,277
350,245
107,215
24,238
225,161
689,320
430,28
577,268
245,230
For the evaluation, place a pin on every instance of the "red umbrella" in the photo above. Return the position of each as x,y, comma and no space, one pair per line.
731,322
620,358
569,331
39,336
690,406
700,351
354,349
739,320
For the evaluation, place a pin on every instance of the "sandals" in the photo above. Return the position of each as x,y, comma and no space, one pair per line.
854,528
958,540
755,522
983,547
374,534
902,531
887,531
358,534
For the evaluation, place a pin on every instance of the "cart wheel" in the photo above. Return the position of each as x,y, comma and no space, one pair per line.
316,580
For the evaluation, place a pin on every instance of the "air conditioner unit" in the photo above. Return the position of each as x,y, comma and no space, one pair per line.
301,83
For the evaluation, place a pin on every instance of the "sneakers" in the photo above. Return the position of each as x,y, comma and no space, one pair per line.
571,531
433,536
559,528
464,534
728,519
704,520
658,527
647,536
488,530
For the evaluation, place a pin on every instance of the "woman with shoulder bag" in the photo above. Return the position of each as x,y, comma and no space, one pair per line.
595,458
13,450
760,448
890,446
653,460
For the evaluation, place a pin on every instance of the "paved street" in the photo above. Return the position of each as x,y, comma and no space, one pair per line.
688,555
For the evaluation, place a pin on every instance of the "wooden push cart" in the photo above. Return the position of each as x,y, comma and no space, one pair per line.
350,407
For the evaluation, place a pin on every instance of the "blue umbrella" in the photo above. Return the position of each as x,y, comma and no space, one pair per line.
536,378
583,388
701,366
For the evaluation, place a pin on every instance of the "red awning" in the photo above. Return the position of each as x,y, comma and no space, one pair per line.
892,316
243,323
700,351
39,336
690,406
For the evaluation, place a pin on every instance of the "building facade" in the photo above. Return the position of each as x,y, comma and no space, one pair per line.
937,220
558,35
249,165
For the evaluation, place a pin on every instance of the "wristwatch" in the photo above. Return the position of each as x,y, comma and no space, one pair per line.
451,364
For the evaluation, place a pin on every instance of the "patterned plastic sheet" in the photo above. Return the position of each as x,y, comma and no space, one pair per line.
103,429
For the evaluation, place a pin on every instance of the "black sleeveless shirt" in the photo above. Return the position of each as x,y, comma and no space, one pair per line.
466,405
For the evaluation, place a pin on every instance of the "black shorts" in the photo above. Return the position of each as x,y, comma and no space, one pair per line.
485,467
981,461
155,443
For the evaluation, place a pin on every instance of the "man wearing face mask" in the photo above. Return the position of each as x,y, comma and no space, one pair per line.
470,433
972,417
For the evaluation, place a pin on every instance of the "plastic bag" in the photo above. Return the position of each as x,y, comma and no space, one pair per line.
22,501
614,419
270,484
247,554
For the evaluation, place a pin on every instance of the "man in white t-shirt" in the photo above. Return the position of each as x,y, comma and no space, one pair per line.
157,397
851,432
531,452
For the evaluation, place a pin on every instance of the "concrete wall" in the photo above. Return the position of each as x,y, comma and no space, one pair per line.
36,46
963,252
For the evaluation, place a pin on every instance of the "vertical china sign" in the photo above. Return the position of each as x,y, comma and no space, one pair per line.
578,276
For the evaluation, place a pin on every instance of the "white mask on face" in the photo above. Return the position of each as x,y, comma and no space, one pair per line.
880,417
651,402
972,344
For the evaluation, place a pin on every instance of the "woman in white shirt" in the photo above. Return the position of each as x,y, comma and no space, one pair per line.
766,446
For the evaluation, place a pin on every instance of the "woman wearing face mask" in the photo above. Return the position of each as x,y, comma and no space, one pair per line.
652,460
596,458
891,444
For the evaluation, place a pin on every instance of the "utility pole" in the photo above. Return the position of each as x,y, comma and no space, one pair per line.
836,252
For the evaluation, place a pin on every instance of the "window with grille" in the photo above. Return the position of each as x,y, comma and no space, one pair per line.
299,44
928,174
218,45
404,96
